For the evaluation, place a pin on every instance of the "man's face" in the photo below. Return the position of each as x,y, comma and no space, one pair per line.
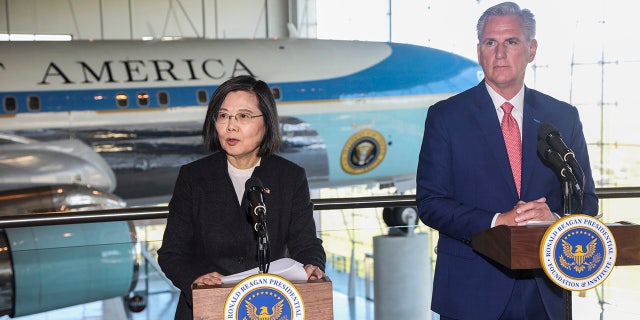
504,53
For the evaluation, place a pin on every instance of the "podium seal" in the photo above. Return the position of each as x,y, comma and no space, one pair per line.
264,296
578,252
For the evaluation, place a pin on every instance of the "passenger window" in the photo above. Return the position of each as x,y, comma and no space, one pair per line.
143,99
276,93
122,100
10,105
33,103
202,96
163,98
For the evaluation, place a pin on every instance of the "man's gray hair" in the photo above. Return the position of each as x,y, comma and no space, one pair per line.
507,9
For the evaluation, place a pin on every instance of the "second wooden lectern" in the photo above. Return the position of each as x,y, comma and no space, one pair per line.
518,248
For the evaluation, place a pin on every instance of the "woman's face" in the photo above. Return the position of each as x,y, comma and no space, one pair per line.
241,129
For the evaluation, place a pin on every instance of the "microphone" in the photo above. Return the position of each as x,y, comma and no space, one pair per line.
258,210
552,148
258,213
551,135
557,162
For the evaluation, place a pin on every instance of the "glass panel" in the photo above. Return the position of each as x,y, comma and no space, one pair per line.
348,237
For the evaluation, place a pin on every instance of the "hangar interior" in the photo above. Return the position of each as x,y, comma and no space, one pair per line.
597,82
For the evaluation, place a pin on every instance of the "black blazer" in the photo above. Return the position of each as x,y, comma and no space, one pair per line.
208,230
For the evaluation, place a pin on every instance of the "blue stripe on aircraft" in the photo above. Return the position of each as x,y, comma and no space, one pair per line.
422,71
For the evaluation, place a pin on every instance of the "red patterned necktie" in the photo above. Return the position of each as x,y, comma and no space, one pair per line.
511,134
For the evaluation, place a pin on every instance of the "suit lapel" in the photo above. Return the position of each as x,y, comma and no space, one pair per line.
530,125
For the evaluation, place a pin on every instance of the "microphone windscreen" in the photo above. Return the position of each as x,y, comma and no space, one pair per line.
545,130
543,148
253,182
552,157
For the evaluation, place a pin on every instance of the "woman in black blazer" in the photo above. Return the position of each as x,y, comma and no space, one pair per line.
208,232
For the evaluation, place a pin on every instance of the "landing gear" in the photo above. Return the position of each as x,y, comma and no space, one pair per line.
401,220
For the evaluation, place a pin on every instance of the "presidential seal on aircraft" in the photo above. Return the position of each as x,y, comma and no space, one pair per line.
578,252
264,296
363,151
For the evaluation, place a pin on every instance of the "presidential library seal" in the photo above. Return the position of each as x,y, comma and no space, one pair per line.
578,252
264,296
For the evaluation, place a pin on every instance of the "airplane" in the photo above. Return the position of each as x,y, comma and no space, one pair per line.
351,112
122,116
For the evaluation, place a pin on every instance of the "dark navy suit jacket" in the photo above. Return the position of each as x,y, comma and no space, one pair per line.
464,178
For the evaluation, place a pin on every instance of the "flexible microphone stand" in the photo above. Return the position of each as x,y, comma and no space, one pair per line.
566,294
263,244
258,213
567,195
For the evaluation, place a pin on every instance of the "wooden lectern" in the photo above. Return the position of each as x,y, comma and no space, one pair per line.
208,301
518,248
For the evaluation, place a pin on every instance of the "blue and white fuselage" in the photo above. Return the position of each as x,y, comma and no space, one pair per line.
351,112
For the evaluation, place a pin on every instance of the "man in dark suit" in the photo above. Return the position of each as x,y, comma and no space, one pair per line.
468,181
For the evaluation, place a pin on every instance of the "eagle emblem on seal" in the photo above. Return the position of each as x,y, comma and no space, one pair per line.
581,259
252,311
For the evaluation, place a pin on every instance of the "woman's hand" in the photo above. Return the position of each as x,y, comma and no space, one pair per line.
212,278
313,272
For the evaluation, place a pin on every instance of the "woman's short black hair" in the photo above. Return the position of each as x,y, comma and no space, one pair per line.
266,103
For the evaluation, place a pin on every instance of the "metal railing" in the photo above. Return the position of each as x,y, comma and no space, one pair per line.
161,212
